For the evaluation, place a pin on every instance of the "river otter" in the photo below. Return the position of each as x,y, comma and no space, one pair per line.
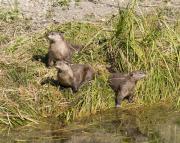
59,49
123,85
75,75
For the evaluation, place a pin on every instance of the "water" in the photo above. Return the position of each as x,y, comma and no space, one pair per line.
137,125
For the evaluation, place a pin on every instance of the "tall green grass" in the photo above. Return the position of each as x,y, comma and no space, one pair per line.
147,42
26,100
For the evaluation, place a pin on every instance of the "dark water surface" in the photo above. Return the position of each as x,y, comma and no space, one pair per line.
136,125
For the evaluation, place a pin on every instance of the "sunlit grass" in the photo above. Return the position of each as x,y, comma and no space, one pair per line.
150,43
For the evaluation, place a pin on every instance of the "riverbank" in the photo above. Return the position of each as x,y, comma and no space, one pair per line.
41,13
127,41
159,124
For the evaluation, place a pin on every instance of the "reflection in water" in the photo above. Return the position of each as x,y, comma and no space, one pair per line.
155,125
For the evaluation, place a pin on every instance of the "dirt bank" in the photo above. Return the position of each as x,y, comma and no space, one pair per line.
44,12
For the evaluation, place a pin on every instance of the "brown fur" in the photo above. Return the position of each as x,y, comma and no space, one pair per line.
59,49
74,75
124,84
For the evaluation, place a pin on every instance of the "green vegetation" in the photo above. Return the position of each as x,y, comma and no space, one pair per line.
11,14
151,43
127,42
63,2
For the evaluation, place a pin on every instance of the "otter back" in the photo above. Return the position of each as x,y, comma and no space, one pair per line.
74,75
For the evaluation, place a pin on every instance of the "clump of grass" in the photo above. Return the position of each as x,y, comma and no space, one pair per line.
10,15
3,39
24,73
63,3
92,98
150,43
146,42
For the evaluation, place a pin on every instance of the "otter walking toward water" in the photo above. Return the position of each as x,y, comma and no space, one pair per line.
73,76
124,84
59,49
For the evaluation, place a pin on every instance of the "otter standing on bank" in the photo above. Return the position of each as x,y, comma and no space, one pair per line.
59,49
73,76
124,84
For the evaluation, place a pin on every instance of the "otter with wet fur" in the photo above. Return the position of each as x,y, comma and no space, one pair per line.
59,49
124,84
73,76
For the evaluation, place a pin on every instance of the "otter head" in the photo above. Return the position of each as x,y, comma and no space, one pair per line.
137,75
62,66
55,36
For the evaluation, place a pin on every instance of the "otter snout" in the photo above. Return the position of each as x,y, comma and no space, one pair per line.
137,75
